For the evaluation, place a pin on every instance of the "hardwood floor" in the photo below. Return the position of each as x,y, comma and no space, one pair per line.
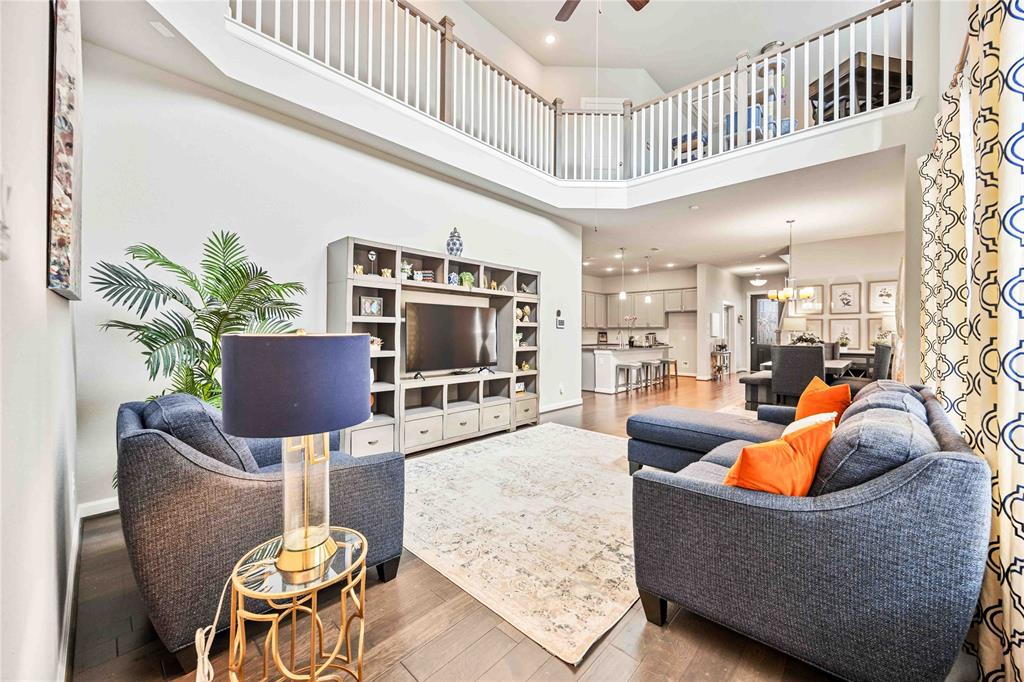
421,626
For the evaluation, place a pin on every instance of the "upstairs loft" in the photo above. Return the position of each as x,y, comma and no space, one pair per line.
388,75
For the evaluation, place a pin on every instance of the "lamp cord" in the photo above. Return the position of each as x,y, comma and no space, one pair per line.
206,635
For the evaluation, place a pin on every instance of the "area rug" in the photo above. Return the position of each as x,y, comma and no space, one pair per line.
738,410
536,525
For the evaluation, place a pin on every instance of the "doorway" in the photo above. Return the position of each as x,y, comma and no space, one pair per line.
764,321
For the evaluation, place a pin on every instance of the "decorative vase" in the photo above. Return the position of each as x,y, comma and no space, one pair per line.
453,278
454,243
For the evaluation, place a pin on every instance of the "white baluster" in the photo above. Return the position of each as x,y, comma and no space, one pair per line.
295,23
792,90
853,66
418,23
807,84
394,49
685,143
721,113
277,19
778,94
327,32
885,59
369,43
405,55
383,45
355,40
835,75
821,79
618,148
904,18
869,49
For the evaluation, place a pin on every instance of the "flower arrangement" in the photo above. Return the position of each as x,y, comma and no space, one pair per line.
883,338
805,339
844,339
630,320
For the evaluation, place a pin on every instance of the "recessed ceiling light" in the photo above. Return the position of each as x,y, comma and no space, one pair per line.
585,263
618,255
550,39
636,269
670,265
694,207
162,29
609,269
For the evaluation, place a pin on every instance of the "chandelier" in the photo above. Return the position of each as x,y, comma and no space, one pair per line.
758,280
790,291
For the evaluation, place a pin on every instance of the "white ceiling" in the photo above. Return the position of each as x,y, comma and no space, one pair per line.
677,41
733,226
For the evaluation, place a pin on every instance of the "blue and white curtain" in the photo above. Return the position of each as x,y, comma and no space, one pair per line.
973,304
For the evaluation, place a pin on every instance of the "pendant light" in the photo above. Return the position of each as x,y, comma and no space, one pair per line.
758,280
790,291
622,272
647,297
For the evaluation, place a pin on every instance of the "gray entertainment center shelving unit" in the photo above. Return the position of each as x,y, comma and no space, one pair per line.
413,414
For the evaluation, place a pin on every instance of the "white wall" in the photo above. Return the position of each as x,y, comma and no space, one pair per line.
715,288
858,259
168,161
572,83
37,412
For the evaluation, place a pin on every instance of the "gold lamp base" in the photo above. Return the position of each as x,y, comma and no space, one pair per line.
303,565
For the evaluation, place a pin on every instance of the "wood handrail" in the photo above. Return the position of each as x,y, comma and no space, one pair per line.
866,14
419,14
505,74
689,86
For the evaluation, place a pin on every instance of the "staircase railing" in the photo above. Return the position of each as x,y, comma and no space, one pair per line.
851,68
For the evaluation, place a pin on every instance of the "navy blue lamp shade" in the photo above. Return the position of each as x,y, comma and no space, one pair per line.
280,385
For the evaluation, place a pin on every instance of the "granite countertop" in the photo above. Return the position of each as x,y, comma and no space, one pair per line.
615,346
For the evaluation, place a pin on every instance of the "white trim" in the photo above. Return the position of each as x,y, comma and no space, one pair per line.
97,507
562,405
687,373
64,645
703,378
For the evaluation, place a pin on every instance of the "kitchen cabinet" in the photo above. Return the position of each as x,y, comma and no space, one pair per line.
589,310
601,311
674,301
689,300
654,312
614,318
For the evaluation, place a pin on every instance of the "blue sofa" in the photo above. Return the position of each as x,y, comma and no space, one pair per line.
193,499
873,576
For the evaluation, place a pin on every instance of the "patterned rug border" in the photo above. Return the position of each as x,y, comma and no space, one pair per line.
426,555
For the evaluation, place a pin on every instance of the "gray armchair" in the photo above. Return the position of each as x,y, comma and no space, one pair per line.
188,518
793,367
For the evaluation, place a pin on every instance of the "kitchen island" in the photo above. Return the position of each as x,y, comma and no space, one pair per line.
600,360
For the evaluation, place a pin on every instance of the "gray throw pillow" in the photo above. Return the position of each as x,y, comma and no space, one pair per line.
887,385
892,400
199,426
868,445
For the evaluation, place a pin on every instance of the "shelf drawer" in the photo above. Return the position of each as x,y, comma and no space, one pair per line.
373,441
495,415
423,431
526,409
461,423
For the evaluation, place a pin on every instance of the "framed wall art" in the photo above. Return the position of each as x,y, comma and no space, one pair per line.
882,297
816,327
371,306
811,306
64,227
845,298
838,327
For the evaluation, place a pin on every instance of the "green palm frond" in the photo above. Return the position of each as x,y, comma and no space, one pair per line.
152,256
128,286
234,295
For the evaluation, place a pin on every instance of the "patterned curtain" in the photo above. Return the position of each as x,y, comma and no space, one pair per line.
973,328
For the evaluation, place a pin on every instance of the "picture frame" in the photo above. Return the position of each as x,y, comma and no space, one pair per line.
811,306
874,326
837,325
64,189
882,296
816,326
845,298
371,306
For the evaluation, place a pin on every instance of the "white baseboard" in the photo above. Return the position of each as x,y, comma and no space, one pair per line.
64,645
97,507
686,374
703,378
562,405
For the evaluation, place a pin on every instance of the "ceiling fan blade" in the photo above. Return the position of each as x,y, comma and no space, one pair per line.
567,9
638,4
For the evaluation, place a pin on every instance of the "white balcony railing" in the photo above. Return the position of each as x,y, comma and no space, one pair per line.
858,65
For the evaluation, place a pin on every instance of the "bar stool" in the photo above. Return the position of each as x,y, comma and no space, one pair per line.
667,365
629,368
652,372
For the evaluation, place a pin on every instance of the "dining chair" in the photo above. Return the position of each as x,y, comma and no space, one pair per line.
880,368
793,367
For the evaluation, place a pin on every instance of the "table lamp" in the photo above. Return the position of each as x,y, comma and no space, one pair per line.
298,387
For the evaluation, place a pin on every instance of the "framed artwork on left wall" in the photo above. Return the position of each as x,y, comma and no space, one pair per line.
64,227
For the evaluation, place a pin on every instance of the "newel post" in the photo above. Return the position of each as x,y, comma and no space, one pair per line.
627,139
448,70
559,140
743,104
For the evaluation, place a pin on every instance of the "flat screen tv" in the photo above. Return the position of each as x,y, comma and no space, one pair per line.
449,337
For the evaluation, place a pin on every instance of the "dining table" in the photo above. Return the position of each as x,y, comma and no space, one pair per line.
834,368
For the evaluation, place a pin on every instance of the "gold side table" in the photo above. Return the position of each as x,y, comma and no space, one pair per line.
256,578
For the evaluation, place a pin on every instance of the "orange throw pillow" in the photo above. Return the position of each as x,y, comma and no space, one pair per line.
785,466
819,397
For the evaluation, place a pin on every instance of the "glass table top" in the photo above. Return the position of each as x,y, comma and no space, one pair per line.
257,576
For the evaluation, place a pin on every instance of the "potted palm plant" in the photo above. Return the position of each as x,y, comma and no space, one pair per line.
180,325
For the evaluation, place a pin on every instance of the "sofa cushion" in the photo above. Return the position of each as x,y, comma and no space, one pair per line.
761,378
819,397
786,466
726,454
887,385
868,445
697,430
891,400
660,456
199,426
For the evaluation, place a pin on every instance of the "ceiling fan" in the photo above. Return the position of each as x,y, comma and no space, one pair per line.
570,6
